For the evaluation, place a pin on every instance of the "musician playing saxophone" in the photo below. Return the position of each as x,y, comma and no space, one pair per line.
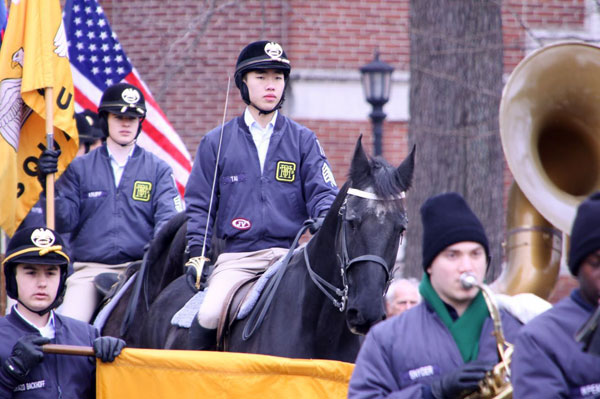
443,347
548,362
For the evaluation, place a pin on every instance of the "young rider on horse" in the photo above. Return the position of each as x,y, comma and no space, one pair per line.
112,200
35,269
272,176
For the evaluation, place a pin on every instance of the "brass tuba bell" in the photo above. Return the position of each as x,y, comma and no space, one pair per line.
550,131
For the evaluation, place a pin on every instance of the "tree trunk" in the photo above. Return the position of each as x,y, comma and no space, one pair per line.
456,83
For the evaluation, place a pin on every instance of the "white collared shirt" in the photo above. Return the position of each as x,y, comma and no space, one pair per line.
118,169
260,136
47,331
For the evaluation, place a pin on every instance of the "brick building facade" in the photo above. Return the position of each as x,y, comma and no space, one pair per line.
185,50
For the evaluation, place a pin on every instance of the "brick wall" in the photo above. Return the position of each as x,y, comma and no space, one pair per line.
185,60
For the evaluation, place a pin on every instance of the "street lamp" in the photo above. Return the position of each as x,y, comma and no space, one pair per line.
376,80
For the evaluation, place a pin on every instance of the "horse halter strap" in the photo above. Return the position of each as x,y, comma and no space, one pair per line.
345,261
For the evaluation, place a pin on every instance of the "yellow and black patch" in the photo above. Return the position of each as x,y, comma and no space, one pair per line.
286,171
142,191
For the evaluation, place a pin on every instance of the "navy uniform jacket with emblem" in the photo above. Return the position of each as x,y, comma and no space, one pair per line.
402,354
257,211
57,375
548,362
109,224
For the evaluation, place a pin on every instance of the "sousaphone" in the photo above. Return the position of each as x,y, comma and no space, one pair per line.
550,131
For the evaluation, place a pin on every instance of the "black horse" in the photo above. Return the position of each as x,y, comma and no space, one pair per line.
332,291
167,248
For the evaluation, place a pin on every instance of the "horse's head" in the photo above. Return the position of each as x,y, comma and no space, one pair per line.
373,219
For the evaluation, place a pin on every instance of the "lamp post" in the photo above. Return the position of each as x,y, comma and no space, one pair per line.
376,81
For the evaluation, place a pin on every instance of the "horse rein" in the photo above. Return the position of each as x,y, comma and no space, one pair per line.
258,314
344,260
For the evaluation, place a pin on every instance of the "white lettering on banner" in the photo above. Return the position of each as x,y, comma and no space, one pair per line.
421,372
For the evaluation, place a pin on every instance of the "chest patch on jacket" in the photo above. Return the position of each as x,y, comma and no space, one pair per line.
141,191
286,171
241,224
410,376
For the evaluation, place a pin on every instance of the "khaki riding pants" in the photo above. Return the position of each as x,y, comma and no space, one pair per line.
81,296
230,269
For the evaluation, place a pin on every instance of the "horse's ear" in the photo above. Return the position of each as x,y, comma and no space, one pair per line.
360,162
404,172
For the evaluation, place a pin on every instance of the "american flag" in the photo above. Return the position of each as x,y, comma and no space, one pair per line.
98,61
3,18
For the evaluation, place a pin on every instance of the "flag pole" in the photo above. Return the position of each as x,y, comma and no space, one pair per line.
49,99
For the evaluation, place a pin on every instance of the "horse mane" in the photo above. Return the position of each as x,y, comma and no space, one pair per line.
385,180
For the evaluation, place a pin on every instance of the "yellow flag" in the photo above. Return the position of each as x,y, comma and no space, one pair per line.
164,374
33,56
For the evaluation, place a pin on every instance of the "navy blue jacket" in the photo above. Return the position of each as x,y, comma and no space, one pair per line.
35,217
548,362
108,224
404,353
256,211
57,376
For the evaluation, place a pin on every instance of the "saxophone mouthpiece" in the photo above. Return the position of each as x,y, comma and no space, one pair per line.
468,281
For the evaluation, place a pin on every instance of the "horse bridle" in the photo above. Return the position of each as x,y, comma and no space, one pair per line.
344,259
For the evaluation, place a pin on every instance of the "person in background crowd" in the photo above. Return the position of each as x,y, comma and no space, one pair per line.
548,362
91,135
35,268
442,347
112,200
402,294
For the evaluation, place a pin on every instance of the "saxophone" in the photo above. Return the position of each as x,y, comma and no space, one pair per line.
496,383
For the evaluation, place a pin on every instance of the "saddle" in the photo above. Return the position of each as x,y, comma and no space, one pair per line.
108,285
233,304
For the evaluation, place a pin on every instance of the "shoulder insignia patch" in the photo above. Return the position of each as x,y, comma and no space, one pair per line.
328,175
142,191
286,171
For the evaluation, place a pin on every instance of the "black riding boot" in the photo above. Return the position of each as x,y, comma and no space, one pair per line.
201,338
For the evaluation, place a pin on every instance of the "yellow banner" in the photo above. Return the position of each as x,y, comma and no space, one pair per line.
164,374
33,57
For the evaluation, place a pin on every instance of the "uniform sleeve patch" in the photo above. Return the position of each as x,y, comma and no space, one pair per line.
142,191
286,171
328,175
179,207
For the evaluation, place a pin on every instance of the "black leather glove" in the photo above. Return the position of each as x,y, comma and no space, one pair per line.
194,265
47,164
316,224
26,354
461,381
108,348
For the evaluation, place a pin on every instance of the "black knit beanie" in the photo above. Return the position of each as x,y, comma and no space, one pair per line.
585,234
447,219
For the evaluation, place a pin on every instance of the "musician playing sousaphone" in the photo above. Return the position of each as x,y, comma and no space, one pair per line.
445,346
548,361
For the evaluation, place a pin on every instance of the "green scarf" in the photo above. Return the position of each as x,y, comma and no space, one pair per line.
466,330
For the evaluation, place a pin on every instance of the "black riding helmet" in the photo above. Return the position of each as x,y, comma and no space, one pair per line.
88,128
122,99
261,55
35,245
